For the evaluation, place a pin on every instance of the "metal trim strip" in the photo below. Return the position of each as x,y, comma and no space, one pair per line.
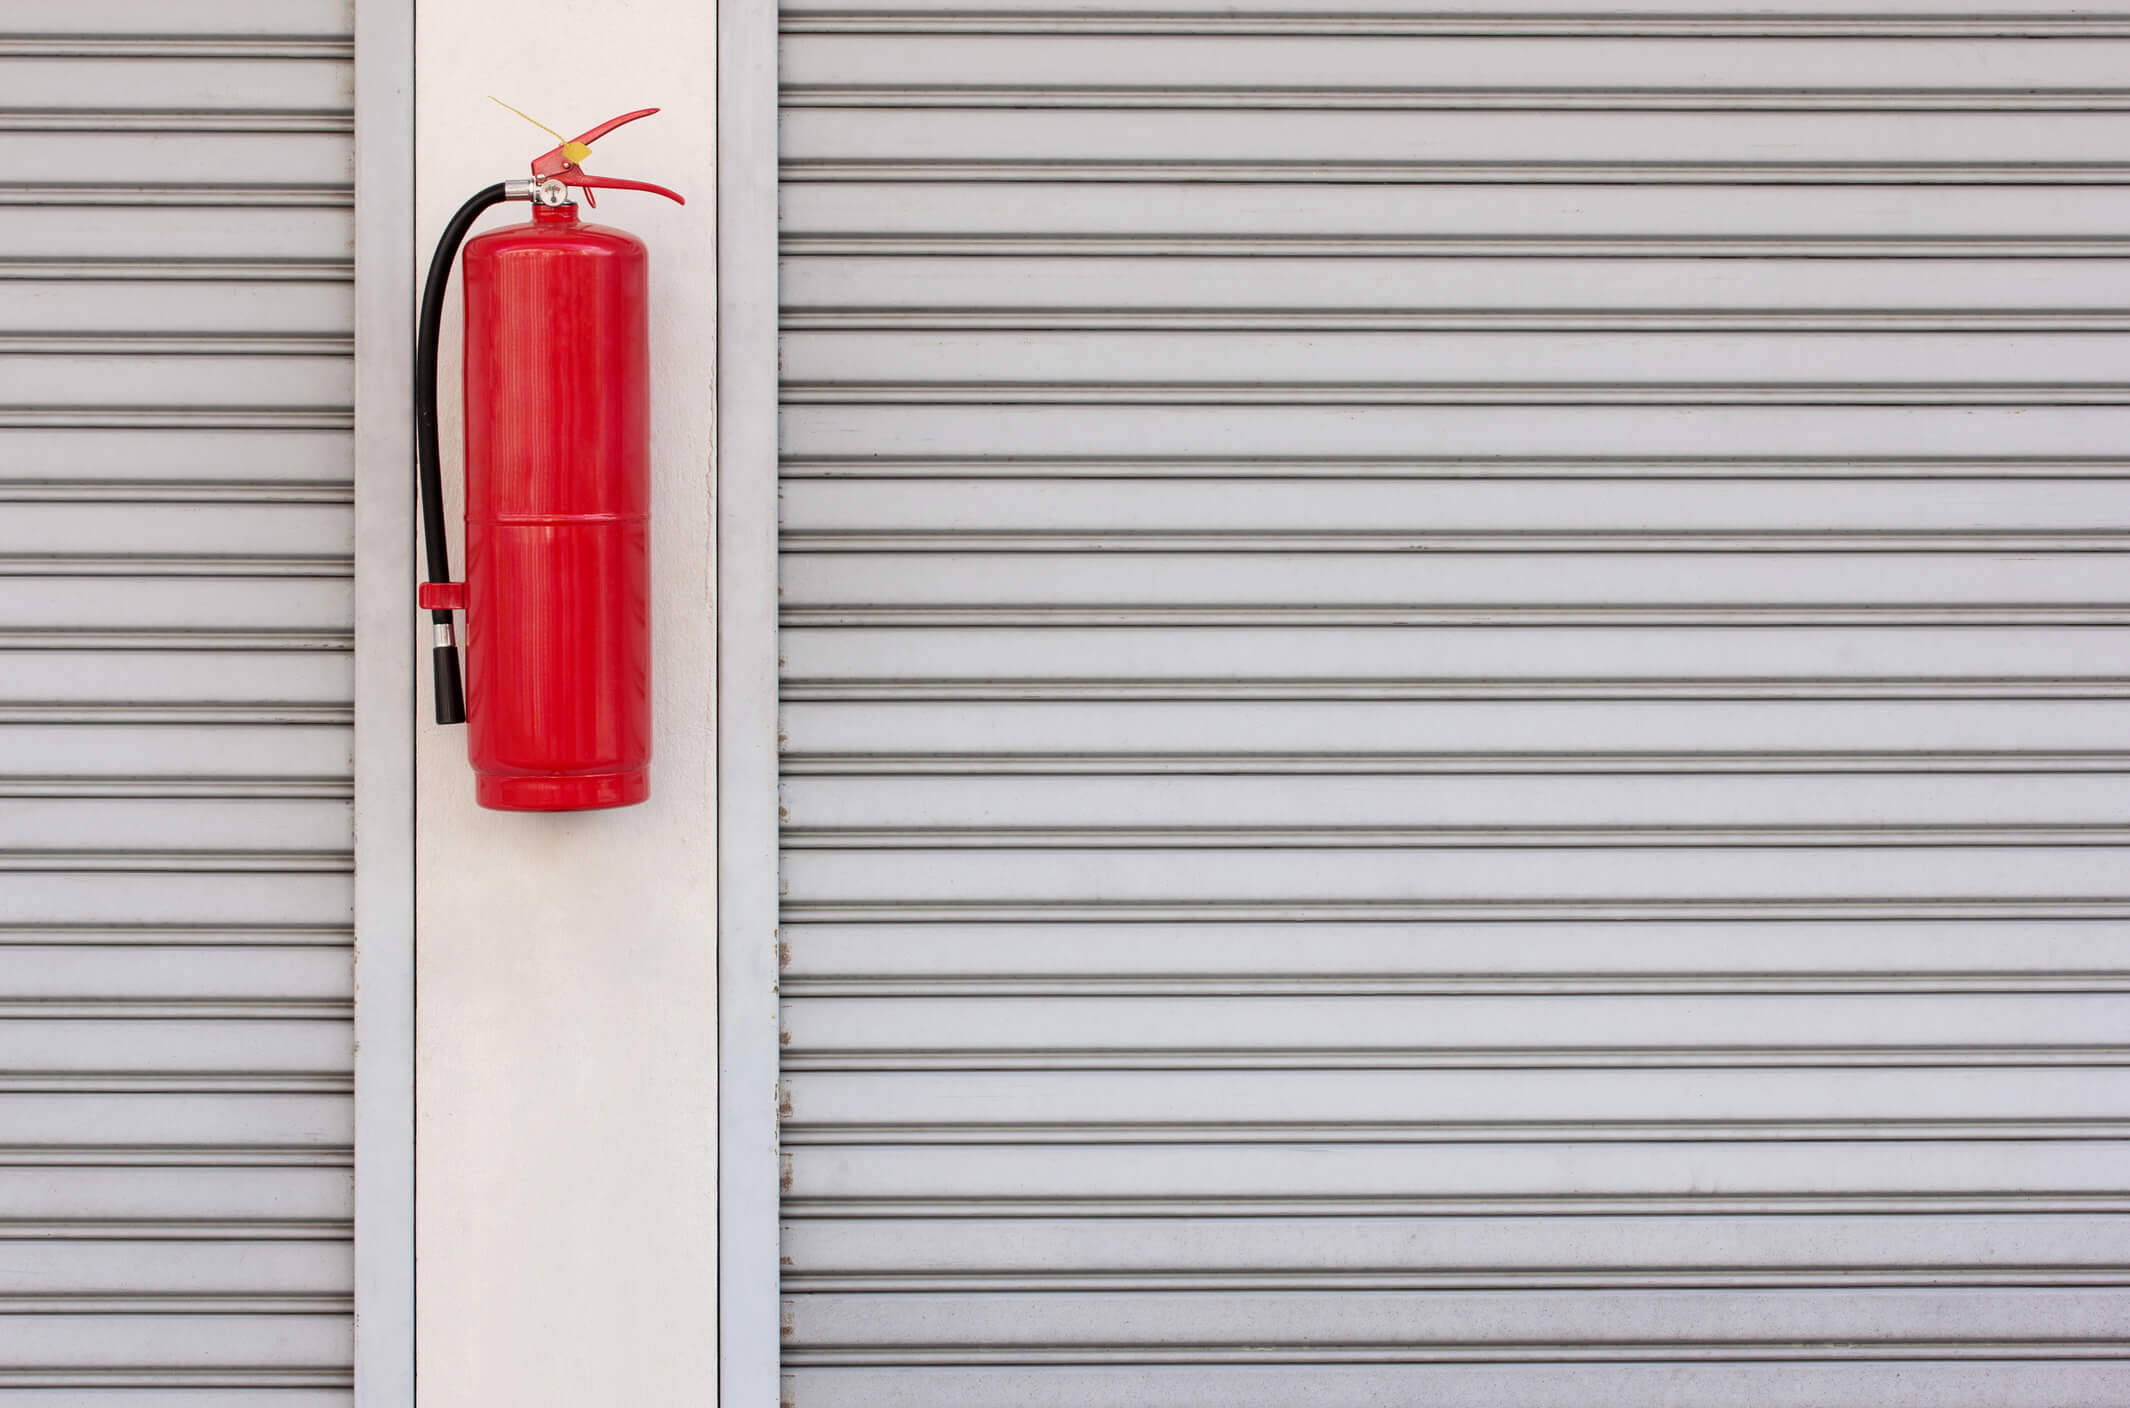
384,1374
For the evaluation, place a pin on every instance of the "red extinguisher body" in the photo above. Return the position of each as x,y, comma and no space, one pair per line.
558,585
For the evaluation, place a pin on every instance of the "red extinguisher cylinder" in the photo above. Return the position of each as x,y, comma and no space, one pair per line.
558,581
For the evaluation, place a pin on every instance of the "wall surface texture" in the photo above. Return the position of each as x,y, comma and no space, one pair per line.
567,1029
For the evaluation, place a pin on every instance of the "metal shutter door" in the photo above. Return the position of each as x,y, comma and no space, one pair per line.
1455,706
175,553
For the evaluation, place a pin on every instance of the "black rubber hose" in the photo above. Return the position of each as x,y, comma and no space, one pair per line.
429,474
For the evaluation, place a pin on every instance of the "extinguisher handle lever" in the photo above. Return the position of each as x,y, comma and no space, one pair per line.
575,177
587,138
564,163
574,149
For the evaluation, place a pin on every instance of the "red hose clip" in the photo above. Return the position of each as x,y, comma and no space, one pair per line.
441,596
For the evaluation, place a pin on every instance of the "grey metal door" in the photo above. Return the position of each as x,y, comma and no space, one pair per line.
175,702
1455,706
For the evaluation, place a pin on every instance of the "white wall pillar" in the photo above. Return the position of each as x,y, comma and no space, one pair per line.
566,1065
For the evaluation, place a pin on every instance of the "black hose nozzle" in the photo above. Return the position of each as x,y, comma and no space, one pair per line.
450,695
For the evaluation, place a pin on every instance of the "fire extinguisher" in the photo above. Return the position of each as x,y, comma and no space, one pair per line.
557,694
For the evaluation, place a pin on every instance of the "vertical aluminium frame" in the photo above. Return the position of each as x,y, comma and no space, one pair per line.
747,881
384,704
385,653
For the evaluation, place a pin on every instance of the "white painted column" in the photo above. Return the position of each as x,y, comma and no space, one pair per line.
566,1064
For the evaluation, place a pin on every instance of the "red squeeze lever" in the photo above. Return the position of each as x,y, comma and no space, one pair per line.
564,163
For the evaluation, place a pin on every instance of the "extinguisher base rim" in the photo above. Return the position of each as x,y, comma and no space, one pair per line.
572,792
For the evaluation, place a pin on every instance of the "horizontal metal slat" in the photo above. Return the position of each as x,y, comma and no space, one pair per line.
1075,219
1452,1178
1699,836
63,891
1543,1033
267,936
51,787
1255,365
181,240
133,1388
290,1030
156,18
1005,430
1295,958
119,639
150,524
1431,581
1677,470
313,303
175,1120
298,596
74,345
1394,97
1068,872
163,418
1385,691
92,1200
1920,18
1633,508
1390,540
206,1347
168,47
202,378
1907,1384
270,674
1166,145
1773,763
1670,910
1341,805
181,79
1365,1106
1118,293
1540,614
1420,1326
1450,654
269,746
138,969
317,457
228,823
162,159
1083,1253
145,1270
169,121
1555,732
150,195
1188,69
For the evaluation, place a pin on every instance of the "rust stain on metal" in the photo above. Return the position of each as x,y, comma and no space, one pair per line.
784,1173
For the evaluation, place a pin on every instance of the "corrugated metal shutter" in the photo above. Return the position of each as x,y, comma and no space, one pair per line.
1456,706
175,702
